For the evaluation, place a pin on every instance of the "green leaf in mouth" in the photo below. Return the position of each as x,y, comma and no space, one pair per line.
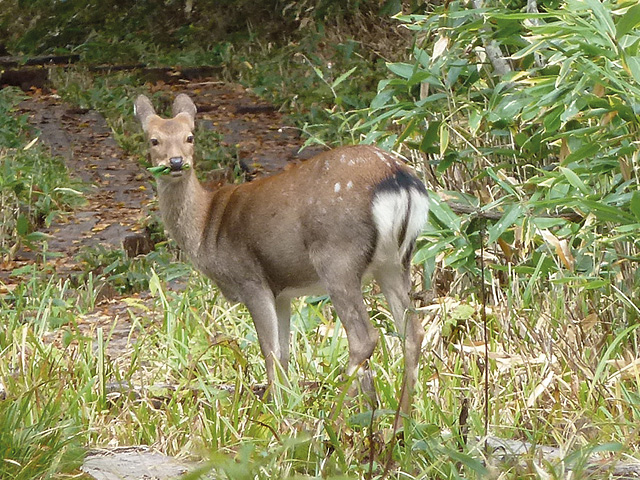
164,170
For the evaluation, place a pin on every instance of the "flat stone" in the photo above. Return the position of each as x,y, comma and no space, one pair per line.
133,463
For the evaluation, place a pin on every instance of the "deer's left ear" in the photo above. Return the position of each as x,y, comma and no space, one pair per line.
184,105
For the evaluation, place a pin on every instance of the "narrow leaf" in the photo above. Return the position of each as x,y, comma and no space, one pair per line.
22,225
343,77
635,204
511,216
628,21
444,138
443,213
588,150
574,180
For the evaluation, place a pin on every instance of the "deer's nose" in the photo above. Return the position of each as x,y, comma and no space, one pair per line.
175,163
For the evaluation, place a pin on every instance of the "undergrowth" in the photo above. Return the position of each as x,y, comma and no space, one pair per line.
34,187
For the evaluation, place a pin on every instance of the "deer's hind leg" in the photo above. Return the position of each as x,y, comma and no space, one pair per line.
395,283
341,274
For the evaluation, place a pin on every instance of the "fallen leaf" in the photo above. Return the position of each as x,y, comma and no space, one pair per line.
561,247
540,389
589,322
100,227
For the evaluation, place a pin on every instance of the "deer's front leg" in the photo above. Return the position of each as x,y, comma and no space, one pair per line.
283,312
262,307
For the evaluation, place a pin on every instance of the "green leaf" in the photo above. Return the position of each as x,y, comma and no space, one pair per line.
154,284
511,216
588,150
159,170
342,77
475,119
443,213
409,129
164,170
634,205
404,70
381,99
602,18
528,50
460,257
574,180
634,67
432,249
605,213
628,21
37,236
319,73
608,354
430,138
22,225
444,138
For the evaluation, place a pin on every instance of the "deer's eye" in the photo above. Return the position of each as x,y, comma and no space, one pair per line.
190,139
154,142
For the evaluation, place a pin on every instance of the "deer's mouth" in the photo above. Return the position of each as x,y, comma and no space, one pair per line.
162,170
177,170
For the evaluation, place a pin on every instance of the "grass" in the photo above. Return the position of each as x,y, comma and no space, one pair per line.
547,386
34,187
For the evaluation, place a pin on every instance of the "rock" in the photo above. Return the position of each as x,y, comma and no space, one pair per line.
136,244
133,463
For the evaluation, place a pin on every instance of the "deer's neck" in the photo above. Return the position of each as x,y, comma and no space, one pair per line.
184,205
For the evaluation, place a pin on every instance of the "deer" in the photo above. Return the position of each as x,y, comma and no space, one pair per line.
328,224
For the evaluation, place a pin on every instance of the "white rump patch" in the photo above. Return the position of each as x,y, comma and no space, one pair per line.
391,211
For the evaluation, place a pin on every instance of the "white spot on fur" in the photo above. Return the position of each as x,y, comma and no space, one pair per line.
337,187
349,185
383,157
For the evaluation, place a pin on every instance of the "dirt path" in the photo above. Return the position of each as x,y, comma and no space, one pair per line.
118,193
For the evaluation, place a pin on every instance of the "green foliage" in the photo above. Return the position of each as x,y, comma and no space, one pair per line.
126,275
34,443
38,438
197,32
315,82
34,187
556,134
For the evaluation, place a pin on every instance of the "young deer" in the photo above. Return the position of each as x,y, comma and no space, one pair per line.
328,224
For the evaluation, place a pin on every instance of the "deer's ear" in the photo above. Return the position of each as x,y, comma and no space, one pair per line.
183,104
143,110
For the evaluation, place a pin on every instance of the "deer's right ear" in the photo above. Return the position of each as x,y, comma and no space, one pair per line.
143,110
